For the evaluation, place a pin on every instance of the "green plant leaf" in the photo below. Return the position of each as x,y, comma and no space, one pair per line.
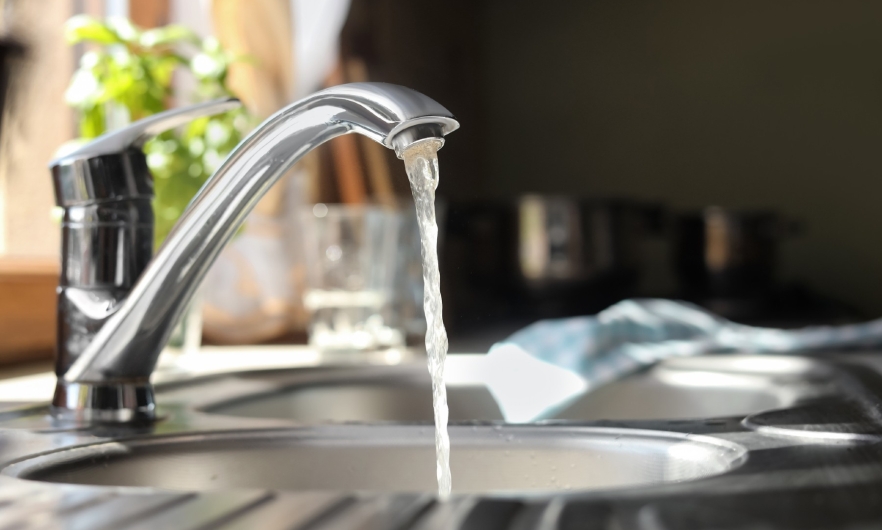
166,35
92,123
90,59
218,133
124,29
84,89
83,28
130,72
211,45
207,66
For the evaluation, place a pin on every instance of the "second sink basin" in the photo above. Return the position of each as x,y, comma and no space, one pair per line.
713,386
391,458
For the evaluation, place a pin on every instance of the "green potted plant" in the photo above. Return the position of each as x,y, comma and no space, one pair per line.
126,74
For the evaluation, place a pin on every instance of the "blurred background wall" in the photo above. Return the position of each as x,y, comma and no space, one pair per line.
750,104
743,104
39,124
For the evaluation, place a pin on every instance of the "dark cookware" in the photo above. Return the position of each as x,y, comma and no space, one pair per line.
724,253
542,256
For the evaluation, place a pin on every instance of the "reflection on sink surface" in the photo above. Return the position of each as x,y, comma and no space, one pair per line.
391,459
676,389
390,400
653,396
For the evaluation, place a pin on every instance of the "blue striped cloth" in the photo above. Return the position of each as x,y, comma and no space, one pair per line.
574,355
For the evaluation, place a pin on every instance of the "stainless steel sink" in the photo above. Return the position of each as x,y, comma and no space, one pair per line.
202,467
389,399
713,386
391,458
699,387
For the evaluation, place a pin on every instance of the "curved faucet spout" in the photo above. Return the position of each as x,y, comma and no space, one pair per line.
128,345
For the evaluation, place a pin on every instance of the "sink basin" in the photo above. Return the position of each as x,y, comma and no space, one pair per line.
392,399
391,458
675,389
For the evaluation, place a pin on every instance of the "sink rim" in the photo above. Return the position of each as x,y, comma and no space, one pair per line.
739,372
733,455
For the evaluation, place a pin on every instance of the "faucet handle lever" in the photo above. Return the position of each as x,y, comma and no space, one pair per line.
136,134
112,167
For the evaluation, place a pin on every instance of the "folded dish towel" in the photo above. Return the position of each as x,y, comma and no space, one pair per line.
543,367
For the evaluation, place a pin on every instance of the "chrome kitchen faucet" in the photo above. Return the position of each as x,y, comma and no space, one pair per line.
116,306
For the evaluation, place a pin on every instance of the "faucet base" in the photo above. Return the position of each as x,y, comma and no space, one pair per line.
108,402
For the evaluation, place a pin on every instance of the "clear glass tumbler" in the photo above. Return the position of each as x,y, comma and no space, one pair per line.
351,258
409,276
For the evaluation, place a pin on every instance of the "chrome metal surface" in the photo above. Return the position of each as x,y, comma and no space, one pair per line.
133,332
414,134
105,403
105,189
392,459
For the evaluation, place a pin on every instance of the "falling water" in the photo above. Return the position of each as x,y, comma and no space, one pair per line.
421,162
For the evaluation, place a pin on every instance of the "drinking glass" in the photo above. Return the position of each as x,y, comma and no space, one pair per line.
351,260
409,276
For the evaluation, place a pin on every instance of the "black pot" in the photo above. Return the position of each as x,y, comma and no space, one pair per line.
542,256
722,253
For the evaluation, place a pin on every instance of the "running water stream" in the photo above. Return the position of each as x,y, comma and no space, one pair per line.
421,162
